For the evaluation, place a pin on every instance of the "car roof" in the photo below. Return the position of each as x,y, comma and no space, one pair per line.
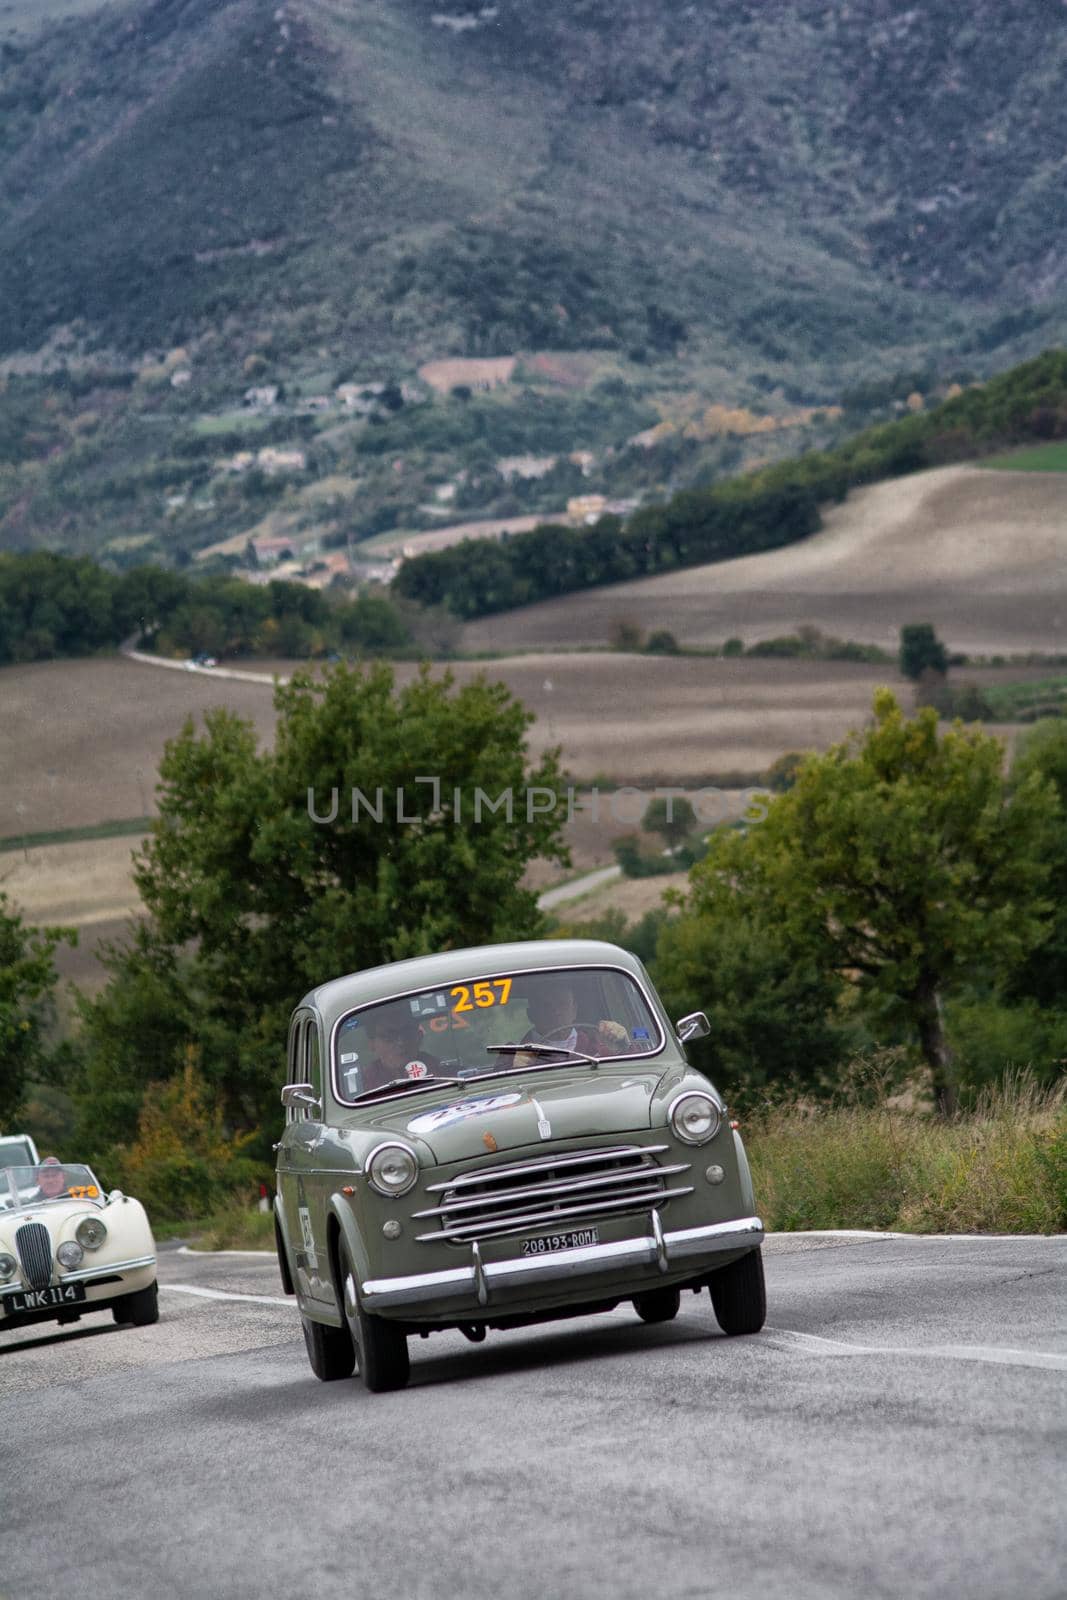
339,995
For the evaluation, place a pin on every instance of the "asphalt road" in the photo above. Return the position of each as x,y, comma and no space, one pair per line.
898,1430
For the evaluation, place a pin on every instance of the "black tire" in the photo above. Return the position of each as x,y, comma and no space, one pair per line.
658,1305
140,1308
381,1350
738,1295
329,1351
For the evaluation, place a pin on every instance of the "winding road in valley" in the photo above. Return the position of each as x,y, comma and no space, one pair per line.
897,1429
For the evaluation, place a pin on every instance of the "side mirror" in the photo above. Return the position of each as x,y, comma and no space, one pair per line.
694,1026
300,1094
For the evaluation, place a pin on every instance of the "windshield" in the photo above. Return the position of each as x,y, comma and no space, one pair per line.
34,1186
15,1152
494,1025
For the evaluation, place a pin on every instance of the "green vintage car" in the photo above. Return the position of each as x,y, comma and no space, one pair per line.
499,1136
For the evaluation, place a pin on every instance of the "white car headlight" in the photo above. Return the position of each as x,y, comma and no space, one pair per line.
392,1169
70,1254
8,1267
90,1233
694,1118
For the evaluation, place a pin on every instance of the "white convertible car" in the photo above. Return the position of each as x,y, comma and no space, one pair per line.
66,1248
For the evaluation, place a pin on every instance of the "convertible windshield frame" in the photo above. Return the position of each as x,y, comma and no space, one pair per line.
18,1195
479,1076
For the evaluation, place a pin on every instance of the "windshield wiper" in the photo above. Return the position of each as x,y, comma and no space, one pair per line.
548,1049
429,1082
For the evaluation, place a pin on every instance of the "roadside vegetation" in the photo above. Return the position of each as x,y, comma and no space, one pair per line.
1000,1167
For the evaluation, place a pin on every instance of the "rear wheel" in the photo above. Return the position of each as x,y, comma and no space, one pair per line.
658,1305
381,1350
329,1350
738,1295
141,1308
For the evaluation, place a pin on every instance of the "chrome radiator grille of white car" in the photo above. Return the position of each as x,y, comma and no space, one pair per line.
34,1245
552,1192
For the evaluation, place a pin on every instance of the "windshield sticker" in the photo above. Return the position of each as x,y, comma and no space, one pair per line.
432,1121
348,1057
481,995
417,1069
641,1033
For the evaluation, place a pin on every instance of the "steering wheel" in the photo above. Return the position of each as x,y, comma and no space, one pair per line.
567,1027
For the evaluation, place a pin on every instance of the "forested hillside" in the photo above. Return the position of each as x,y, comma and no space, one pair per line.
651,209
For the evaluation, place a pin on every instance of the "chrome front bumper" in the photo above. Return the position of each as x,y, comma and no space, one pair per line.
670,1252
85,1275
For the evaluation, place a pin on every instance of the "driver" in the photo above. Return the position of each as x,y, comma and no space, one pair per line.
553,1010
50,1178
395,1037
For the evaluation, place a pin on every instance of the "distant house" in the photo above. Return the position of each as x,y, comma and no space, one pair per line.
241,461
272,461
525,466
586,508
261,398
317,402
269,551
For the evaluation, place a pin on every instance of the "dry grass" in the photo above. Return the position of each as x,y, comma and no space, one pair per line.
1001,1168
981,554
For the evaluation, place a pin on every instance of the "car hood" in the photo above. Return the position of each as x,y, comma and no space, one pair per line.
514,1111
53,1214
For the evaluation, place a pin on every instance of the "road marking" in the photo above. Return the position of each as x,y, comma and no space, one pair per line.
995,1355
221,1294
190,1250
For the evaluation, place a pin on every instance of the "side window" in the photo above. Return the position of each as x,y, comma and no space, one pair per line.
294,1064
312,1057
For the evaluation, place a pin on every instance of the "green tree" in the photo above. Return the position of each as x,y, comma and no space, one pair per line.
899,863
252,899
672,817
921,650
772,1015
27,983
1042,753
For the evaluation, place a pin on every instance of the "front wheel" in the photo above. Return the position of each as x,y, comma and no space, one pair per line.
140,1308
738,1295
381,1351
658,1305
329,1350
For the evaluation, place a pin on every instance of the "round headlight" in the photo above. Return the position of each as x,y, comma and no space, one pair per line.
70,1254
695,1118
392,1169
90,1233
8,1267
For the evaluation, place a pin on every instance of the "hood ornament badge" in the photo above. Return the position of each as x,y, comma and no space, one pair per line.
544,1127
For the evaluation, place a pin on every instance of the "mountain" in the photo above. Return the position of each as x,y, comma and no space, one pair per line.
751,204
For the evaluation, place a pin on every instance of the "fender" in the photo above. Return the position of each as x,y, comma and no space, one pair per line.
281,1246
748,1197
340,1209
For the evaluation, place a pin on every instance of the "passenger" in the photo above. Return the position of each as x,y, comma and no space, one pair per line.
395,1040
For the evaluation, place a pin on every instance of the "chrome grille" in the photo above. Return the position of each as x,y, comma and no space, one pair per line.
551,1191
34,1246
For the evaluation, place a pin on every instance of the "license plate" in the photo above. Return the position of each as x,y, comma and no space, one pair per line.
548,1242
62,1294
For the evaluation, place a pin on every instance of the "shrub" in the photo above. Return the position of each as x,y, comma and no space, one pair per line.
662,643
183,1163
